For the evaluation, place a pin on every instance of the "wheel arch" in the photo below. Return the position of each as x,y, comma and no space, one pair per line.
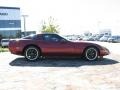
30,45
89,47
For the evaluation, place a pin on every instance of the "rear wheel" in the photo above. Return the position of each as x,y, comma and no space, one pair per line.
32,53
91,54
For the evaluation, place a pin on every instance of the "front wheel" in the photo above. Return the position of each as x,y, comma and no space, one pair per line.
32,53
91,54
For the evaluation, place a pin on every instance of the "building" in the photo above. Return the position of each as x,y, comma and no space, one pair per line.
10,22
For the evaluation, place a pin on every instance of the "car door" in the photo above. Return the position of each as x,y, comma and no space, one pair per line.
57,46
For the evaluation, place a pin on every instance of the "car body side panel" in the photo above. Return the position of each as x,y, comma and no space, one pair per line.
57,48
66,48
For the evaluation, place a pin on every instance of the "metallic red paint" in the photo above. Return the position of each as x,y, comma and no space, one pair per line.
48,48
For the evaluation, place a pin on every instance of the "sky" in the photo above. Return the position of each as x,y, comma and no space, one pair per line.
72,16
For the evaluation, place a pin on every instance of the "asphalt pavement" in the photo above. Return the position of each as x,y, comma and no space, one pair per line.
61,74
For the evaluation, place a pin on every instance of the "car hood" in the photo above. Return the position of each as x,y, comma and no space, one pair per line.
87,43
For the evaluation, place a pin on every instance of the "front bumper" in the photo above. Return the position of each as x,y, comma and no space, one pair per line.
104,52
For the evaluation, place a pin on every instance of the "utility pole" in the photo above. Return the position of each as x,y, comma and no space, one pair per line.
24,21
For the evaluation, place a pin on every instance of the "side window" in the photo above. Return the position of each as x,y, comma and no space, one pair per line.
54,39
47,38
51,38
37,37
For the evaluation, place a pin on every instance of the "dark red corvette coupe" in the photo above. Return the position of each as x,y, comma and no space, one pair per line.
35,46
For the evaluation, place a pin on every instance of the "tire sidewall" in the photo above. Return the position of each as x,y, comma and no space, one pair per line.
31,47
86,54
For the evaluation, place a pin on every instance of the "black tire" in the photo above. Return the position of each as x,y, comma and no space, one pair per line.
91,54
32,53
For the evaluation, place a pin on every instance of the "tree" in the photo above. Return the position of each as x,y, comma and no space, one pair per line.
50,27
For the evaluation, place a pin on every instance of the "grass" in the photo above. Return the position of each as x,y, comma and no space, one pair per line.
3,49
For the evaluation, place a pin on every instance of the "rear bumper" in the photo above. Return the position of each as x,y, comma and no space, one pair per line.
15,48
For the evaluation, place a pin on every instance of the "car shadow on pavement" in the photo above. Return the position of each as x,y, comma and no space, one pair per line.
55,62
